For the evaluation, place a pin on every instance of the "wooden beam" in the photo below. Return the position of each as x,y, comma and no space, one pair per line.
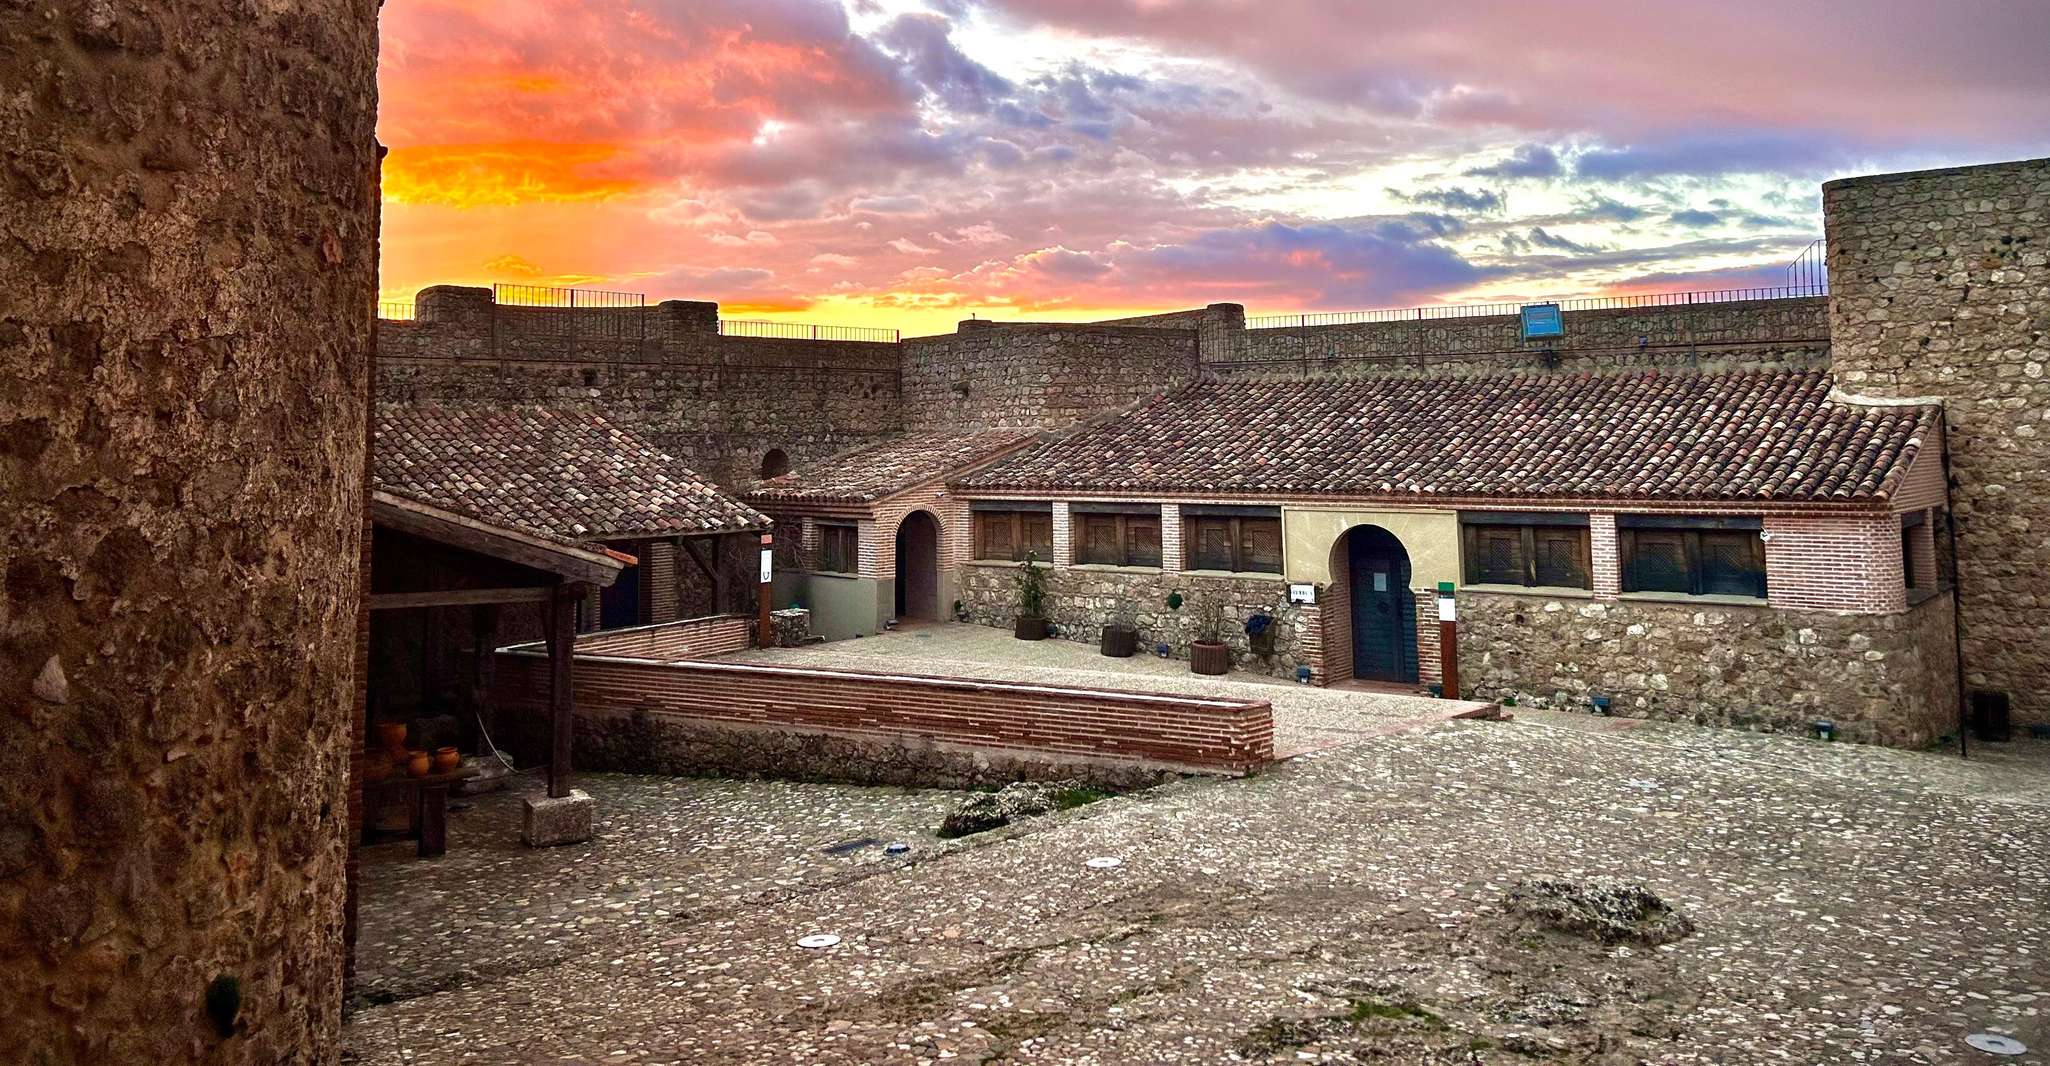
499,542
562,638
393,601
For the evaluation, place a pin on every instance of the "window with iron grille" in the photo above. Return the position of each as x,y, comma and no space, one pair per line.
1011,535
1527,549
1245,543
1705,558
839,549
1120,538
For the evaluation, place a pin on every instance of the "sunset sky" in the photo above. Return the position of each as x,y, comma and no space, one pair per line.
909,162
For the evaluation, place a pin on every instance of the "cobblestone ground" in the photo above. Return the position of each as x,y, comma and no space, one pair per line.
1852,905
1306,718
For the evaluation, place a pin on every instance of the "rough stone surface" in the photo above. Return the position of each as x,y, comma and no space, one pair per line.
1031,375
1941,283
791,626
1781,334
188,262
1608,911
1081,600
994,810
548,821
1348,907
1882,678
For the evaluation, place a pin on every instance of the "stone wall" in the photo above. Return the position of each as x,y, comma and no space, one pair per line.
1031,375
1887,678
1942,289
1792,333
718,403
1080,600
189,256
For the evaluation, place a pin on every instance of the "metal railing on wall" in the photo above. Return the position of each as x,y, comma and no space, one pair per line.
744,327
572,316
395,310
1807,275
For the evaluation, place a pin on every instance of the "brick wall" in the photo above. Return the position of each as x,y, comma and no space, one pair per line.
1790,333
1604,563
622,706
689,638
1941,283
718,403
1835,564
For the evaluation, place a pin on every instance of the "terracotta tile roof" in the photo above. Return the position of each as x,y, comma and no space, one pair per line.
1668,435
877,470
566,475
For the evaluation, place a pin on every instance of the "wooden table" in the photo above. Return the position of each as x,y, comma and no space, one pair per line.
426,807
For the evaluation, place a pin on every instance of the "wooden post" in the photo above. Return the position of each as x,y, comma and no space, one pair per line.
562,639
1448,642
765,636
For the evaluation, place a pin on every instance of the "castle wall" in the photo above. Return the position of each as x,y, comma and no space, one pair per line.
1039,374
1942,289
1783,333
189,253
718,403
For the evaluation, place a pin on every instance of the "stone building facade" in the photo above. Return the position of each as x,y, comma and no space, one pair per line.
1942,294
190,264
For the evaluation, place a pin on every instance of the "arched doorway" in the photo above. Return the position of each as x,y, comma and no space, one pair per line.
774,464
918,566
1383,608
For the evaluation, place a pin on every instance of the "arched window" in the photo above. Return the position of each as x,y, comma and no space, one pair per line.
775,464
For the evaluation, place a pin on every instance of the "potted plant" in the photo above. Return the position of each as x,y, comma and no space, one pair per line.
1208,653
1260,634
1121,634
1031,581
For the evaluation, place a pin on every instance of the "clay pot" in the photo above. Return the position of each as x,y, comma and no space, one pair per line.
1209,657
376,768
446,760
393,734
418,763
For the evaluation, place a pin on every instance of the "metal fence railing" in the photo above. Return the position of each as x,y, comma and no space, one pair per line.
395,310
522,314
1807,275
804,331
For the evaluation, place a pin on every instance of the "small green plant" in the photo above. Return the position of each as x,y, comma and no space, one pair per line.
1174,600
1031,583
1068,799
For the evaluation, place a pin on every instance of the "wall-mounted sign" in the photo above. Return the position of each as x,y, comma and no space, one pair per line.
1302,594
1543,320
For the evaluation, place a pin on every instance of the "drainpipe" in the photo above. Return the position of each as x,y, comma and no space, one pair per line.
1957,597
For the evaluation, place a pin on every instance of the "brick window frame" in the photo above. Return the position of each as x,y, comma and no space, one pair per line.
1115,535
839,548
1239,540
1009,534
1533,550
1691,555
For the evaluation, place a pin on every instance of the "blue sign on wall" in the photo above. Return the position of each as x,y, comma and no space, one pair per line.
1543,320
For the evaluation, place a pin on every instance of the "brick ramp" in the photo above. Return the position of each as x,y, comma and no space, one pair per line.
979,719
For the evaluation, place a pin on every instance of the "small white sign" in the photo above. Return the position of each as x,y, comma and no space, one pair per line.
768,565
1448,610
1381,582
1302,594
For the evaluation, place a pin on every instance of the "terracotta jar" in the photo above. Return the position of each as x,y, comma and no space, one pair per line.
446,760
393,734
417,764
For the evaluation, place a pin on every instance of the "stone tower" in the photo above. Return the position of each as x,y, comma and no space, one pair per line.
1940,286
187,276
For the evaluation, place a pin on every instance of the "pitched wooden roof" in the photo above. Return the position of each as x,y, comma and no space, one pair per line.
569,475
1659,435
876,470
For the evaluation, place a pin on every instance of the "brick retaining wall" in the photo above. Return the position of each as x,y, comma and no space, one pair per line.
637,715
690,638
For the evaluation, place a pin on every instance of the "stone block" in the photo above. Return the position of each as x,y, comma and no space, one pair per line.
549,821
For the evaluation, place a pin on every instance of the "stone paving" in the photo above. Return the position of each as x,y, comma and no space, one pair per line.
1850,905
1306,718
